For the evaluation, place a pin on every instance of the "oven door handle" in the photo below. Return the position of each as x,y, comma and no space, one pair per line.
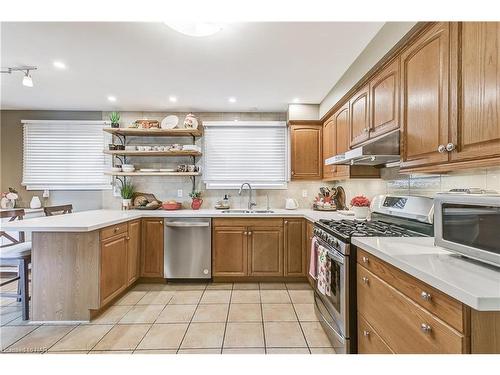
335,255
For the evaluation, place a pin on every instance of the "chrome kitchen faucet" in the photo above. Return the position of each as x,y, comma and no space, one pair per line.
250,203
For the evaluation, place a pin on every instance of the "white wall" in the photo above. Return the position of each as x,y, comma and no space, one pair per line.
384,40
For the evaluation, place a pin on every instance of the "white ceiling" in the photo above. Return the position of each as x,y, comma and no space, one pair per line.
263,65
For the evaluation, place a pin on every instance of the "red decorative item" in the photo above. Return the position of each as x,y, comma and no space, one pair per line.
360,201
196,203
170,206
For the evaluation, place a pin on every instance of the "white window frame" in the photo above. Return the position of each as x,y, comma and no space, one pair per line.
106,185
278,185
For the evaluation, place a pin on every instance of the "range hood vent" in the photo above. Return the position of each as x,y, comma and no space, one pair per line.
381,151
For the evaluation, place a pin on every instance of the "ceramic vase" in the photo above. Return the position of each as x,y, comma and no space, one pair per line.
360,212
196,203
126,204
35,202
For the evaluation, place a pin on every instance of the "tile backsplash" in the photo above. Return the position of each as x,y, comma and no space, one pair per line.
391,182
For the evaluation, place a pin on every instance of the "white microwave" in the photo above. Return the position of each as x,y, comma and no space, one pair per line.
469,224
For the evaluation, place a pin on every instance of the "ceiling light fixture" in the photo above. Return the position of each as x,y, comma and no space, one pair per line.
197,29
172,99
112,98
27,80
232,99
59,65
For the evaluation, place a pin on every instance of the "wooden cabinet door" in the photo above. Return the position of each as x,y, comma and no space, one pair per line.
306,152
265,251
134,250
476,80
424,98
229,251
113,267
329,147
359,116
152,247
309,236
384,100
369,342
342,138
295,254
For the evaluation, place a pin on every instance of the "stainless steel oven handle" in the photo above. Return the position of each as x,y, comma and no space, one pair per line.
340,337
333,254
182,224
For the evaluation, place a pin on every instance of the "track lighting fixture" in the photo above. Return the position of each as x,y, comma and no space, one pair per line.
27,80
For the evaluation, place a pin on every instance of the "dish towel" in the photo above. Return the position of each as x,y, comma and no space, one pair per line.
324,272
314,258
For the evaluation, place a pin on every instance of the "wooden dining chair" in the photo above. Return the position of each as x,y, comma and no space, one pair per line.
58,210
16,254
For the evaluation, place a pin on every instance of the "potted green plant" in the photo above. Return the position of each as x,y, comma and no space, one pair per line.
114,117
127,192
197,201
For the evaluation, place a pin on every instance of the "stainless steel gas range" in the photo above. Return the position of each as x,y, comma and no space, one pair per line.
392,216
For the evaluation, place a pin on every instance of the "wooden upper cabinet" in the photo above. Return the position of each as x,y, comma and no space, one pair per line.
306,152
329,147
476,78
229,251
342,138
113,267
134,250
265,251
359,116
384,100
295,254
424,98
152,247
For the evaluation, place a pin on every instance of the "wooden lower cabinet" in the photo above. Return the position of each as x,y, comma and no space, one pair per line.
133,251
113,267
152,247
258,248
265,251
295,254
369,342
229,251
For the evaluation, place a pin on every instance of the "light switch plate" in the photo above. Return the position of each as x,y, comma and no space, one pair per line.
304,193
179,193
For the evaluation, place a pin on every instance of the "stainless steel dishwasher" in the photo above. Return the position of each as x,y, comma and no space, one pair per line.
188,248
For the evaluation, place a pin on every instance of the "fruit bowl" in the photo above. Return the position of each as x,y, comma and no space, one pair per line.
170,206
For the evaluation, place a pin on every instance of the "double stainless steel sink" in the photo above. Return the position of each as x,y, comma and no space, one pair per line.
235,211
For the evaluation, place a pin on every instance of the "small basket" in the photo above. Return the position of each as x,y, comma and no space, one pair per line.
150,198
172,206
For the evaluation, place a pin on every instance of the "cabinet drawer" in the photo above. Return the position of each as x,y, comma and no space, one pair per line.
369,342
113,230
401,323
250,222
438,303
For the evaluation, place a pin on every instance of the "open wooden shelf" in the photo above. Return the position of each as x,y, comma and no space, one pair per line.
152,153
130,174
154,132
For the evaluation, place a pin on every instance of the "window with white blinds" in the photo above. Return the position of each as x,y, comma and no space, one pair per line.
64,155
245,151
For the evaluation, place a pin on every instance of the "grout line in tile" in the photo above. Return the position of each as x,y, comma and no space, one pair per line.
20,338
298,321
71,330
189,324
227,318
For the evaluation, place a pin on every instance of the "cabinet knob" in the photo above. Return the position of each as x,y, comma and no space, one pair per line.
365,130
245,233
365,259
117,229
450,147
249,233
293,173
441,149
425,328
286,222
365,279
161,221
425,296
366,333
128,238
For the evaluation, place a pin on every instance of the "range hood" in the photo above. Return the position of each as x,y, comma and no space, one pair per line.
380,151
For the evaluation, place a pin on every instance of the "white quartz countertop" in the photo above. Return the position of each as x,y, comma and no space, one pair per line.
473,283
86,221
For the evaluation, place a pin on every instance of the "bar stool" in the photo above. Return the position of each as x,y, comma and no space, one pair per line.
16,254
58,210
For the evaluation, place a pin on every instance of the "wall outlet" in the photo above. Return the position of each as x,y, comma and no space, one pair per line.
304,193
179,193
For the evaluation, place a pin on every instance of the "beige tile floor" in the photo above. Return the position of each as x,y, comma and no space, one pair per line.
251,318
